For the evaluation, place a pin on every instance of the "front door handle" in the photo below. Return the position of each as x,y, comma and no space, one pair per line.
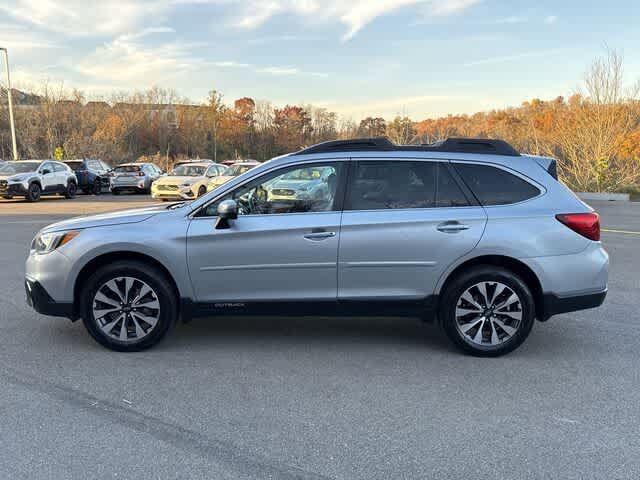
318,235
452,227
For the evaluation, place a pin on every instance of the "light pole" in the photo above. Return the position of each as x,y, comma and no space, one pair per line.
11,122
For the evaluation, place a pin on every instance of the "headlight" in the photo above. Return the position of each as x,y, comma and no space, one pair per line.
17,179
186,184
48,242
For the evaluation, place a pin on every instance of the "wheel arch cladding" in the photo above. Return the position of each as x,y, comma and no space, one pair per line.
508,263
107,258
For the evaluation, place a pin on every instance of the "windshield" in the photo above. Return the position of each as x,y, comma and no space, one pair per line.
11,168
126,168
74,165
188,171
304,174
236,170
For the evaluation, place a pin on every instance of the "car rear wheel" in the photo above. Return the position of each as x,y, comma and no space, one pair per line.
487,311
115,191
34,192
128,306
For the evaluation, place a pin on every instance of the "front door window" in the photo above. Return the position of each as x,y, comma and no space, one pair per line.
302,189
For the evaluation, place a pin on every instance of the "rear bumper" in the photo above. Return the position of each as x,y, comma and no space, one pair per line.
40,300
555,305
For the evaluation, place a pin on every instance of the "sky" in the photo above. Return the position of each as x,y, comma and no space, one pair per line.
421,58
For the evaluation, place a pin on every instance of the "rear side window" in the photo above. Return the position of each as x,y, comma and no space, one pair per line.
395,184
494,186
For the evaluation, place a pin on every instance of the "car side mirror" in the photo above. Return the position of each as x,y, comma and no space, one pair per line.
227,210
46,171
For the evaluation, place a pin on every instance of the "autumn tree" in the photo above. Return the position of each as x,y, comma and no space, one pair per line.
372,127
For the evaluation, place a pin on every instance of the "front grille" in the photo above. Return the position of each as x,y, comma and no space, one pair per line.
283,192
168,188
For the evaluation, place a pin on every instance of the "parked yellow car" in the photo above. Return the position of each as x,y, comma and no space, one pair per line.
234,170
187,181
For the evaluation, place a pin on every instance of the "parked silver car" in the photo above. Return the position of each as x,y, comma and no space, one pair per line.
467,232
32,179
137,177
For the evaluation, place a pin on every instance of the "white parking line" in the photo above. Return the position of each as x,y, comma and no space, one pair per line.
626,232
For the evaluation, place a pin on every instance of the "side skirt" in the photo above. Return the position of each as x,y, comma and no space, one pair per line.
422,308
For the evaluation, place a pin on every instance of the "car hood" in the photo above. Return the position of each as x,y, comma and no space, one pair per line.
111,218
173,180
8,176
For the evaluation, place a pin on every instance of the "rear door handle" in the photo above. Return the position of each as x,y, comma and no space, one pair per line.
317,235
452,227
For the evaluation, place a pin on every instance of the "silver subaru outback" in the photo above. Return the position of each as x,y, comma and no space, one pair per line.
465,232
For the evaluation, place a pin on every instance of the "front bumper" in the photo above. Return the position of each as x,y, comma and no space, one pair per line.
40,300
11,189
172,194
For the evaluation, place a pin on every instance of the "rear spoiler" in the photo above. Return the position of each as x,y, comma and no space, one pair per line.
549,164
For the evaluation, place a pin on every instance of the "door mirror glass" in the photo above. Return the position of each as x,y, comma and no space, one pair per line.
227,210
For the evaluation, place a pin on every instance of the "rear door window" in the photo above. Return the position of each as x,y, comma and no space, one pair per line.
393,184
495,186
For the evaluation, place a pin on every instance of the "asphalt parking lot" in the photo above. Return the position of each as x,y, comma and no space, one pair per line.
318,398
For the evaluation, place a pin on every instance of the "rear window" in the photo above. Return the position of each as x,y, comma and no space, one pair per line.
127,168
74,165
495,186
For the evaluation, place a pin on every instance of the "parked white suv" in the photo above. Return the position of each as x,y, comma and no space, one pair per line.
33,178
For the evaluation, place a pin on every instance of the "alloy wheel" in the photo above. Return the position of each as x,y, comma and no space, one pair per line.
488,314
126,309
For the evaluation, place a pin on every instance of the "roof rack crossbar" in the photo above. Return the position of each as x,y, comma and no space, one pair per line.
455,145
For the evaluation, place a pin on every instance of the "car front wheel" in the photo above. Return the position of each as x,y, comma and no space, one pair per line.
72,190
128,306
487,311
34,192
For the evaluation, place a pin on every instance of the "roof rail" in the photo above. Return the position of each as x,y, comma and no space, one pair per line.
356,144
457,145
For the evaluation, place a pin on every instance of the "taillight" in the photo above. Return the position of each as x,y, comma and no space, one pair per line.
586,224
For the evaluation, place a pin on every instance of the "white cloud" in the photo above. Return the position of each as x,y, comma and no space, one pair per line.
123,61
354,14
512,19
515,57
551,19
83,18
449,7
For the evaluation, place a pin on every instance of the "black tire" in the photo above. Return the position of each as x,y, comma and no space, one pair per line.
156,279
202,191
96,188
34,193
476,275
115,191
71,191
7,197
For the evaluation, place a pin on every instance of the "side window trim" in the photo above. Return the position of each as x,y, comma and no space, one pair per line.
345,162
466,191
